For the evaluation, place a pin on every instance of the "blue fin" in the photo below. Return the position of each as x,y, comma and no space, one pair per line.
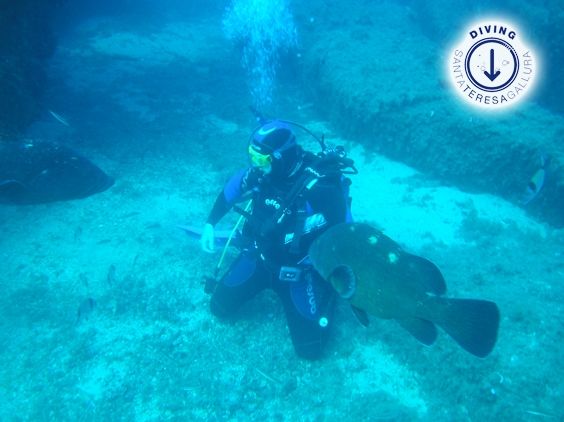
221,236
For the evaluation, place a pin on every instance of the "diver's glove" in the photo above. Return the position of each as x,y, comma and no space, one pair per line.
207,241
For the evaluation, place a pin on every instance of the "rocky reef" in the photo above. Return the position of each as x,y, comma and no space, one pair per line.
26,43
380,77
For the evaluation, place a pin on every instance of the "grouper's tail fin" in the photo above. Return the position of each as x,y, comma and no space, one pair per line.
472,323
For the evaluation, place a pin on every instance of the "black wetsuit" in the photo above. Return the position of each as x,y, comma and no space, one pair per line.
276,255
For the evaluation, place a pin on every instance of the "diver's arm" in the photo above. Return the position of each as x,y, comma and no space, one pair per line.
330,200
326,207
233,191
230,194
219,209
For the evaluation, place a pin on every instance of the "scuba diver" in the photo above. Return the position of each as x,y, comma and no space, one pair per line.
296,195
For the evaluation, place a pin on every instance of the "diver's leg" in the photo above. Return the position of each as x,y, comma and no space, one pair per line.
309,306
245,278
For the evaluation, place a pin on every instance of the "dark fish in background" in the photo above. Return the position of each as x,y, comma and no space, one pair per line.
85,309
537,181
377,277
39,172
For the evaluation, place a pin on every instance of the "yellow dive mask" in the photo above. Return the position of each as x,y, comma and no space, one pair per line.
258,159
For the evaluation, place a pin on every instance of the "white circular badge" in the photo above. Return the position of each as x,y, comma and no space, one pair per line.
491,67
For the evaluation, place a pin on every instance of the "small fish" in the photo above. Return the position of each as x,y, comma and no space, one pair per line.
77,234
537,181
130,214
83,278
377,277
85,309
111,278
59,118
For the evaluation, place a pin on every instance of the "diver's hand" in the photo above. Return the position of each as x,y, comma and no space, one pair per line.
207,241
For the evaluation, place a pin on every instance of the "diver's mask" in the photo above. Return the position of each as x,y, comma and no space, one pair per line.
259,160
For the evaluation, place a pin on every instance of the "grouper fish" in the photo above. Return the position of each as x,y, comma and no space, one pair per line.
379,278
34,172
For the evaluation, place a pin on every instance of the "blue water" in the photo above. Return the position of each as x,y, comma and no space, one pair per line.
103,311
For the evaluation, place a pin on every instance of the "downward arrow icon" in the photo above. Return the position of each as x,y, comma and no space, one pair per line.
491,74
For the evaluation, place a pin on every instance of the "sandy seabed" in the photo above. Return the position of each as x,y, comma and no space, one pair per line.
150,350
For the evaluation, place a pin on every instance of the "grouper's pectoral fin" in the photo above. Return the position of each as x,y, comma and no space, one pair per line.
423,330
424,273
361,316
